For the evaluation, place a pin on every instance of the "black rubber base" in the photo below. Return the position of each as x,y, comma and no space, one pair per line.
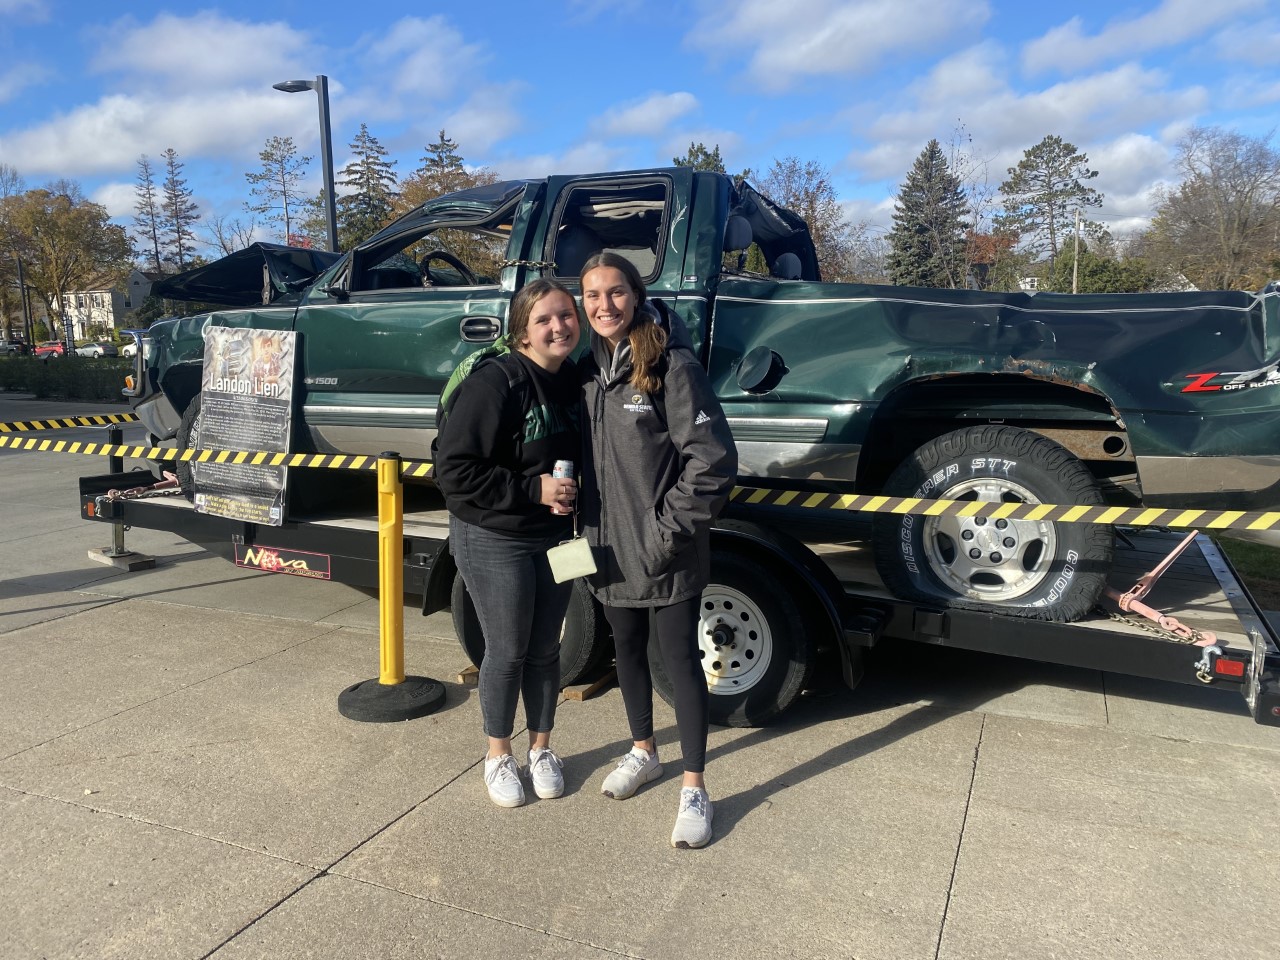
374,702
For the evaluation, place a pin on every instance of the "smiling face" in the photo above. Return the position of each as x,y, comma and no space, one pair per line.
552,333
610,303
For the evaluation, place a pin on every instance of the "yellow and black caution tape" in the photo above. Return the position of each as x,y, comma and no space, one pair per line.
93,420
341,461
1058,513
748,496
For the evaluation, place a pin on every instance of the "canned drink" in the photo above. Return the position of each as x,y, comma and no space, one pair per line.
562,469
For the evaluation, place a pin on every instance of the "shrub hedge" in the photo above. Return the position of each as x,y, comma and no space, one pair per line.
66,378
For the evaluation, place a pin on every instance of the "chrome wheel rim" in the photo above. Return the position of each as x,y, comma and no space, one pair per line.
987,559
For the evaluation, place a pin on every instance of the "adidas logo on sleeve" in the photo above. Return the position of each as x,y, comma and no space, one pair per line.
701,418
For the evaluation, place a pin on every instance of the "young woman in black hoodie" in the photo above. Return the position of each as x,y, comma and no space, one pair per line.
508,423
658,467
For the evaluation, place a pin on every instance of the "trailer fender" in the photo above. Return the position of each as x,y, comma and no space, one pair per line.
779,552
437,570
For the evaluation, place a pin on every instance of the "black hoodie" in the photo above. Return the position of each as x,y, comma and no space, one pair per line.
505,429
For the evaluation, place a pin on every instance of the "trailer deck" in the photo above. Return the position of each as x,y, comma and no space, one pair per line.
1200,589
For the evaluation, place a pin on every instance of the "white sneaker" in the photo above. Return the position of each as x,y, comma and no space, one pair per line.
632,772
545,772
693,820
502,777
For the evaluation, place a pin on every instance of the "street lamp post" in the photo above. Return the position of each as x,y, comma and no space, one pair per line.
321,86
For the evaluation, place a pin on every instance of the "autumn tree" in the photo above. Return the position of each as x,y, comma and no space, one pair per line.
805,188
441,171
11,315
180,213
146,212
1043,192
1220,227
928,237
65,242
369,202
276,187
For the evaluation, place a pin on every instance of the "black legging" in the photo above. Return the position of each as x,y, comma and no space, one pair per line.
678,642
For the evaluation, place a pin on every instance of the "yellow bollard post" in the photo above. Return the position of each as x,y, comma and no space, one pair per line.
393,696
390,569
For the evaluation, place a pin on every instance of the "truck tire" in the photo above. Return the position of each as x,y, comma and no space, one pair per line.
584,641
1035,569
188,439
756,653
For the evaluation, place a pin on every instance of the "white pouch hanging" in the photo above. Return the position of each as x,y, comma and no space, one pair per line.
571,559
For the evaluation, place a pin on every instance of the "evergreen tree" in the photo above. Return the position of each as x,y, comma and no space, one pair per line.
148,215
700,158
369,202
180,212
1043,192
275,187
927,242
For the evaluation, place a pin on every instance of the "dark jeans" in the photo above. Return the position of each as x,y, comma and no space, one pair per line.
677,627
521,611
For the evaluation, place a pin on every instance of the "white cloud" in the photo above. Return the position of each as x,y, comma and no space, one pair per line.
1068,48
808,38
108,136
118,198
14,8
1250,43
590,156
203,51
1003,122
422,60
648,117
489,116
18,77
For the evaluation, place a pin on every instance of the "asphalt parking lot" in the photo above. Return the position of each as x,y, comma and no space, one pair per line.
176,782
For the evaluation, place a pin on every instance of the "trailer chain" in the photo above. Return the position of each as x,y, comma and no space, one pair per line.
1154,628
532,264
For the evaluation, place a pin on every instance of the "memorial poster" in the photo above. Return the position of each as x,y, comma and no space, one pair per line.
246,403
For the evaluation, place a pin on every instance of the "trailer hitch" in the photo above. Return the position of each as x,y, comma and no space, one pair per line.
1131,601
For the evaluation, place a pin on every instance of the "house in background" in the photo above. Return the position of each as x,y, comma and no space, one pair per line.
96,312
138,287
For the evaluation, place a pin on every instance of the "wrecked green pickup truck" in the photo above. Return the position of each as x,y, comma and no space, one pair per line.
1154,399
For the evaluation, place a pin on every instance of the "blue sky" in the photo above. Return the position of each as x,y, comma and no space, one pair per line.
529,89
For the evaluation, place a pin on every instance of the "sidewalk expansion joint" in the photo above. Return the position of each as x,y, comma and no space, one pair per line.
964,822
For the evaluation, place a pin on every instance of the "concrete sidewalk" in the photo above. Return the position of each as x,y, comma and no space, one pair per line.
176,782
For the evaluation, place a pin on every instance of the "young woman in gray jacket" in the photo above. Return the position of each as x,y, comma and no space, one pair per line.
658,466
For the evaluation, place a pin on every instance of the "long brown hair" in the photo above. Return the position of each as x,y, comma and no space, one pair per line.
647,339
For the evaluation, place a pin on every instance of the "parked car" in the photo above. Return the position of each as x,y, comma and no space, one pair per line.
134,337
50,348
12,348
98,349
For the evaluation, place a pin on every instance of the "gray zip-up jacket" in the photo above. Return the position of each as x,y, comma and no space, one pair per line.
656,472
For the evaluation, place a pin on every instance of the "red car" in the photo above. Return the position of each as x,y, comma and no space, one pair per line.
50,348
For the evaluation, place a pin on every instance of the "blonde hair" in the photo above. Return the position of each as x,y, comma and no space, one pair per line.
647,339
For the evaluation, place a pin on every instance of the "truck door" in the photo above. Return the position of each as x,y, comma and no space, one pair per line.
643,216
380,336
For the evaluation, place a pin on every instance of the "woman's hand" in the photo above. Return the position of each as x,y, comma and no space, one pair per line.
558,493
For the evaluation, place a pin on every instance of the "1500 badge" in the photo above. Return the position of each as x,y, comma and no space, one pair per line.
320,381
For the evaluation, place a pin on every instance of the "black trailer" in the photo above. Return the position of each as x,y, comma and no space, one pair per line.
782,604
